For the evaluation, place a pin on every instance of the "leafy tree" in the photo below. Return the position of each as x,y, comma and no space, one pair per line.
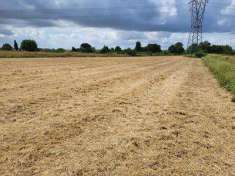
172,49
112,50
7,47
86,48
193,48
105,49
29,45
179,48
208,48
205,46
16,45
85,45
153,48
220,49
60,50
118,49
176,48
228,49
74,49
138,47
130,52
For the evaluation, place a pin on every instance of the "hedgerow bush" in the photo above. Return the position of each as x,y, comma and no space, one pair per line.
6,47
200,54
130,52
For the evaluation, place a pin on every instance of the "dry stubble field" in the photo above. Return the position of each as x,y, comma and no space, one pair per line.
159,116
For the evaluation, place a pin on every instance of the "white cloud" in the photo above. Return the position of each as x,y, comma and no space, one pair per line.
99,22
229,10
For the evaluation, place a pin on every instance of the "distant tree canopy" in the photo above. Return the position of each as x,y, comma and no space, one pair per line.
16,45
104,50
7,47
205,46
29,45
153,48
130,52
74,49
86,48
220,49
60,50
112,50
177,48
138,46
208,48
193,48
118,49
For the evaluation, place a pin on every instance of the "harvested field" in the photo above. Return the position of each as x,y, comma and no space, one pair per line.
151,116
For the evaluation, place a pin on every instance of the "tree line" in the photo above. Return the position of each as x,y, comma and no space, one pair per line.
87,48
207,47
149,49
26,45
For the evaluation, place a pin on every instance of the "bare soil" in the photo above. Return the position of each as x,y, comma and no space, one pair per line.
155,116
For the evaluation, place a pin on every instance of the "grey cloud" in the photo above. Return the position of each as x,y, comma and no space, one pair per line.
5,32
131,36
127,15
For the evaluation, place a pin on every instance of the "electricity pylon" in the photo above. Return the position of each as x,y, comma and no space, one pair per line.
197,8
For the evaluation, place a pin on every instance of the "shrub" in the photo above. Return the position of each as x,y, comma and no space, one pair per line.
60,50
166,52
118,49
220,49
200,54
208,48
6,47
193,48
74,49
130,52
29,45
205,46
112,50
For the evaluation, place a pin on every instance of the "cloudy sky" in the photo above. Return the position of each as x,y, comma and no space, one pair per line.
67,23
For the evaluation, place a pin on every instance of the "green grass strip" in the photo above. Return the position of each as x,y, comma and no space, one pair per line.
223,70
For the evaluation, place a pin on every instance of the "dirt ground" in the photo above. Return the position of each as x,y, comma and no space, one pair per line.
156,116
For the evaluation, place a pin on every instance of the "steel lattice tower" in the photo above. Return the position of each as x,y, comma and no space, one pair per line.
197,8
